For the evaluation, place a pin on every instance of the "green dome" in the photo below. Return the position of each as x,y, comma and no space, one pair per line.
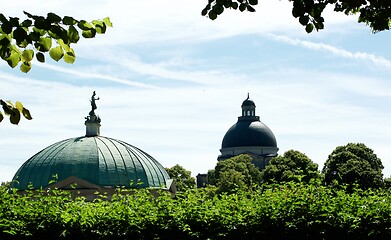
102,161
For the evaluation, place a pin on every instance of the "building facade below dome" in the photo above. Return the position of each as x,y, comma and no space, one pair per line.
249,136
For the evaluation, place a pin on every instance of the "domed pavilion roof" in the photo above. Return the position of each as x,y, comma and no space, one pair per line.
249,133
99,161
102,161
249,130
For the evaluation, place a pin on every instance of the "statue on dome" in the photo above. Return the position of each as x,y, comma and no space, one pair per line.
93,118
93,104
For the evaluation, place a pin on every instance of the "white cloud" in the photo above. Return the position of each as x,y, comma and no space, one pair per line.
361,56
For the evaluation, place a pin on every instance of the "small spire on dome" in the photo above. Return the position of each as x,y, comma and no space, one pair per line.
92,121
248,96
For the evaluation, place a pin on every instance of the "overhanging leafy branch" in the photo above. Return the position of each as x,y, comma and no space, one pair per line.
375,13
20,41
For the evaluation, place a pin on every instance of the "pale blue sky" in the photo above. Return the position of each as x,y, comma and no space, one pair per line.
171,82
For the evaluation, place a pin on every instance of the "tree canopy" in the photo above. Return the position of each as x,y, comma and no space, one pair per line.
292,166
375,13
182,177
22,40
353,163
236,173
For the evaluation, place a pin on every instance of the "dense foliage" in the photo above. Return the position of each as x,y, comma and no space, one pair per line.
182,177
235,173
353,163
292,166
375,13
289,211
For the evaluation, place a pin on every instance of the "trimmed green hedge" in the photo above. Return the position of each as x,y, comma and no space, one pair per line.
290,211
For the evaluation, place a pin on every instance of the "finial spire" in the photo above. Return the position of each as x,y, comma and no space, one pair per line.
92,121
248,96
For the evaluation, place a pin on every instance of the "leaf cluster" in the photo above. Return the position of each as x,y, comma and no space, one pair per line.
14,111
216,7
21,41
375,13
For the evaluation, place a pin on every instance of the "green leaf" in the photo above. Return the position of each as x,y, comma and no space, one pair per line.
25,67
304,20
56,53
65,46
235,5
250,9
28,14
15,116
39,22
14,21
19,106
26,114
3,18
53,18
26,23
40,57
70,57
41,32
84,25
218,9
5,41
19,34
1,117
6,107
23,44
27,55
319,25
242,7
107,21
45,44
100,27
55,31
6,27
227,4
212,15
204,12
69,20
34,36
73,34
253,2
14,59
89,33
309,28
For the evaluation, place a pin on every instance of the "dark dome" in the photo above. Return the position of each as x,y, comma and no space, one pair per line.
248,102
102,161
249,133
